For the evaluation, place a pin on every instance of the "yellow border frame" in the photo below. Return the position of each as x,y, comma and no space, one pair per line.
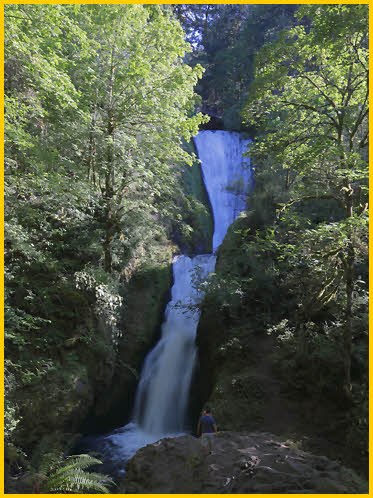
6,2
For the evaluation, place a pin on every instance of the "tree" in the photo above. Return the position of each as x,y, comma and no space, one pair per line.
142,105
117,108
42,47
98,104
225,40
310,97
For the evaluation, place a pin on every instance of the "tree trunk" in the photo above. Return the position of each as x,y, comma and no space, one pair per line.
107,242
349,281
92,149
109,197
287,182
109,175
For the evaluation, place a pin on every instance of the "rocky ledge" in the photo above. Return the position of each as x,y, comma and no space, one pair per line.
240,463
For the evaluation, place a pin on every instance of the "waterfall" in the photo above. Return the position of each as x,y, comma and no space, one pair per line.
163,391
226,175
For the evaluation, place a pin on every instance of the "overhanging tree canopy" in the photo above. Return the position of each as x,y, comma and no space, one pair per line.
310,100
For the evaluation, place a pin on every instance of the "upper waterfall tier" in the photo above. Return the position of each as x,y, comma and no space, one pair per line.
227,176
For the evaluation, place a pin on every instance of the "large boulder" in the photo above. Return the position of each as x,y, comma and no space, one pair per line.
240,463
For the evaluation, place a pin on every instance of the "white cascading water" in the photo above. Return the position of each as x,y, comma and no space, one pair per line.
163,392
227,177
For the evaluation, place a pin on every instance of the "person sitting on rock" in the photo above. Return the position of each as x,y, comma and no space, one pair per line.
207,426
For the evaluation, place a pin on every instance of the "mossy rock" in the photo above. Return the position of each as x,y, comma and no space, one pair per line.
193,232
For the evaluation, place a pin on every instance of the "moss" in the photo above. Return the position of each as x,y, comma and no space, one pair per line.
144,299
194,233
256,290
53,405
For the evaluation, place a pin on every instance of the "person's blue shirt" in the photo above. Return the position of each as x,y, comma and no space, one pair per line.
207,423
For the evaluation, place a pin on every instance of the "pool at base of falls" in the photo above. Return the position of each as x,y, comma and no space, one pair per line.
117,447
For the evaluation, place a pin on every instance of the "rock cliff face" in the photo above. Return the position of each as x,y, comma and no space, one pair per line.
145,301
241,463
234,351
93,381
239,375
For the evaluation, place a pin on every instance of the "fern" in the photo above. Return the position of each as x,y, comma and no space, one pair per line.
78,462
76,480
58,475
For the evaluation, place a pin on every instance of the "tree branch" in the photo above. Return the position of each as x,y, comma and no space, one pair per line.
309,198
311,108
319,89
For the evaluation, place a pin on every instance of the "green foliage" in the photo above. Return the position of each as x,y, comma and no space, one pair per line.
310,100
56,474
142,107
117,120
226,39
11,414
309,357
99,104
105,294
313,352
190,215
314,115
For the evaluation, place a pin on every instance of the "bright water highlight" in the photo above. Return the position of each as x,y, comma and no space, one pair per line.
227,177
